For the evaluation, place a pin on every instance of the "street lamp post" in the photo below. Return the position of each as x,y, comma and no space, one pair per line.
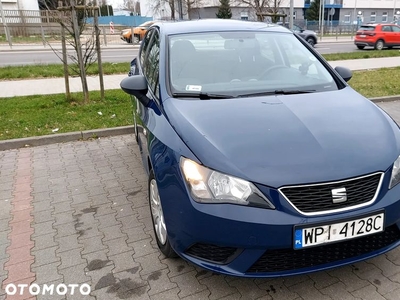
291,9
355,17
322,18
394,10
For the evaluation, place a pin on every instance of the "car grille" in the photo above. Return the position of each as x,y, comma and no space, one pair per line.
212,253
311,199
290,259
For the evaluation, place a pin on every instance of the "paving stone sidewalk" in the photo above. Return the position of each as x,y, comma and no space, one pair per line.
77,213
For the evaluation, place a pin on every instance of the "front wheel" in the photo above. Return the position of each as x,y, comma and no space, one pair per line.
311,41
379,45
136,39
135,129
360,47
157,216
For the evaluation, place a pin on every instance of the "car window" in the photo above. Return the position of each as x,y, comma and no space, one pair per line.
152,62
144,46
296,28
366,28
386,28
238,63
395,28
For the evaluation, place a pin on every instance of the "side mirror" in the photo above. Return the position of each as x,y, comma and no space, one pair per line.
345,73
136,85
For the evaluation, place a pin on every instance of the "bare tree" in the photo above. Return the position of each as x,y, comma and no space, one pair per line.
157,6
72,18
262,6
137,8
132,6
190,5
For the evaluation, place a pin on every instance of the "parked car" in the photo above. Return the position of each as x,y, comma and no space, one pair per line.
261,160
310,36
138,32
378,36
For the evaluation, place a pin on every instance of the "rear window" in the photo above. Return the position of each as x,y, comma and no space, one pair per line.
367,28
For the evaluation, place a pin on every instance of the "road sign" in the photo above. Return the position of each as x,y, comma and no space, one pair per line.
332,11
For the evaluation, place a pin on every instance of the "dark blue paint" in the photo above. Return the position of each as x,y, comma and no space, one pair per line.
272,141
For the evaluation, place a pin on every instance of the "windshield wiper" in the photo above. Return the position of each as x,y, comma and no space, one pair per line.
202,96
278,92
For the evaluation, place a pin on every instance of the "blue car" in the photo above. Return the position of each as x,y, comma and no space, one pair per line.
262,161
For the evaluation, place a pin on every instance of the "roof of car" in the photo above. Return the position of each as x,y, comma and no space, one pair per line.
212,25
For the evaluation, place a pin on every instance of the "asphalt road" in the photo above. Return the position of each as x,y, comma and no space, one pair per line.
47,56
336,47
125,53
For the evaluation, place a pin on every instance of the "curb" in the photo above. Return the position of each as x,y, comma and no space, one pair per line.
64,137
385,99
97,133
26,48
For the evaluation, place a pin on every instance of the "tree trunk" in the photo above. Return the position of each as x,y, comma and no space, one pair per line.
98,50
172,7
65,63
78,45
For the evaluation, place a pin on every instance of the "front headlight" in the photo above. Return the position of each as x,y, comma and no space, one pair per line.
208,186
395,179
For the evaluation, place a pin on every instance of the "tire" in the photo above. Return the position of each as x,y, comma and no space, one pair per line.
135,129
157,217
379,45
136,39
360,47
311,41
129,40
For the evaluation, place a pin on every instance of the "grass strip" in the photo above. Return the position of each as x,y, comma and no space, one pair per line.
39,115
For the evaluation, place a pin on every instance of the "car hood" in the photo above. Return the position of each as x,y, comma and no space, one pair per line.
309,32
288,139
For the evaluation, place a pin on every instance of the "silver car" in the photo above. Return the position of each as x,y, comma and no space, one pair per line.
309,35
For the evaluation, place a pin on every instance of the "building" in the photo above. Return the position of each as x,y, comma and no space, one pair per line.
19,5
338,12
19,11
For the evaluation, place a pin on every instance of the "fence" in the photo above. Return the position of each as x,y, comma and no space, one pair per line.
330,27
127,21
29,16
30,34
41,26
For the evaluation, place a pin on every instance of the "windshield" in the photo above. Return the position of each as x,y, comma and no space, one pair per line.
240,63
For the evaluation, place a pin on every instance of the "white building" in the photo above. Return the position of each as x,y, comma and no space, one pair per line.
20,4
341,12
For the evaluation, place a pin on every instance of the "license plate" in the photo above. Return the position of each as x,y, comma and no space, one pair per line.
362,35
328,233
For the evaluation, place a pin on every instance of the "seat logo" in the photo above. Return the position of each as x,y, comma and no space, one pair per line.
339,195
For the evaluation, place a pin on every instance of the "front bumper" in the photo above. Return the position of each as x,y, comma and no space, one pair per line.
255,242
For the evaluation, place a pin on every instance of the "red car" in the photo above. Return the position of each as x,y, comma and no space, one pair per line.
377,36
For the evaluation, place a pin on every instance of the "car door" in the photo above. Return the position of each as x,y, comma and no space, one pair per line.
396,35
149,58
387,34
